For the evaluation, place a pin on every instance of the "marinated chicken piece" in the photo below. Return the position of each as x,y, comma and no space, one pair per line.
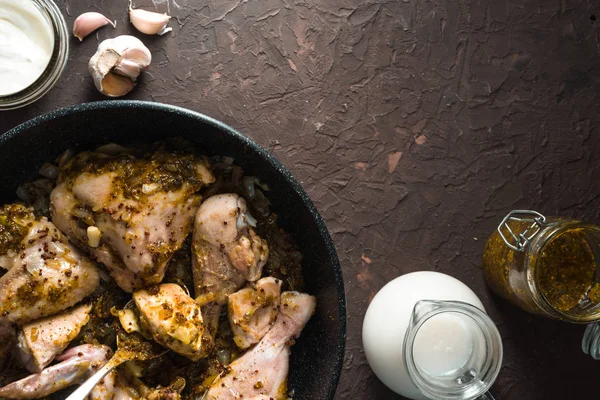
40,341
227,251
76,365
115,386
46,274
173,318
124,386
131,214
252,311
262,371
105,389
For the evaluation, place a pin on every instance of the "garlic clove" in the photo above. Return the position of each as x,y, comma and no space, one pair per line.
114,85
139,55
148,22
117,64
128,68
133,62
88,22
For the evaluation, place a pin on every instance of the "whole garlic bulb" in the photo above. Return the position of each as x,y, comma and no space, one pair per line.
117,64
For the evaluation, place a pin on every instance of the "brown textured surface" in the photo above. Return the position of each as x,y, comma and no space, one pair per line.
414,126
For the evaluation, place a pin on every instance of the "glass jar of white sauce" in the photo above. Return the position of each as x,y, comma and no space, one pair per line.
34,47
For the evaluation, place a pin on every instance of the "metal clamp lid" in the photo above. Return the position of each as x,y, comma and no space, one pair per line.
521,240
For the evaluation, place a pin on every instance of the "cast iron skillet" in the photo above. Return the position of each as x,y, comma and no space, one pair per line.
317,356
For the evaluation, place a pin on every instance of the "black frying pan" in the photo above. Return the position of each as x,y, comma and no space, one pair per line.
317,356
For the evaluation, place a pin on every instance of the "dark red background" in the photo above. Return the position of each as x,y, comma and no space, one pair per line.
414,125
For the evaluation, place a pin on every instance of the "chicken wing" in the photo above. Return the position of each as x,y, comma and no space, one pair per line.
130,213
173,318
46,274
262,371
252,311
76,365
40,341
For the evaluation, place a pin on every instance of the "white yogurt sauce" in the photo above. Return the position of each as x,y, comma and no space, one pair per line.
26,45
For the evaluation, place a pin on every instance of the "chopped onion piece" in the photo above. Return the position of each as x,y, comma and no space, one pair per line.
44,184
245,220
135,368
49,171
224,356
81,213
104,276
129,321
251,220
249,182
23,194
262,185
64,157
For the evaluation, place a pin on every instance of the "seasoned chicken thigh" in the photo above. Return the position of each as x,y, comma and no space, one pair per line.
261,373
226,250
130,213
46,274
252,311
76,365
173,318
40,341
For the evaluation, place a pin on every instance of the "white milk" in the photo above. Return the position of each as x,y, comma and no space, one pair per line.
444,345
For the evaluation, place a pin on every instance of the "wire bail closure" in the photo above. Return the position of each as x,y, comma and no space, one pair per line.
522,239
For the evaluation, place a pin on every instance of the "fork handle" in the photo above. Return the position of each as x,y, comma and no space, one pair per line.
83,390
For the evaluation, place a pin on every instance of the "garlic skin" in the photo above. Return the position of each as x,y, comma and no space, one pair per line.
148,22
117,64
88,22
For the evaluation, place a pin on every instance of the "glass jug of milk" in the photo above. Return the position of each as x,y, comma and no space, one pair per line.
426,336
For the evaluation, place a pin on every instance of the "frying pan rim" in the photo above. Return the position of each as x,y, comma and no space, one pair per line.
254,147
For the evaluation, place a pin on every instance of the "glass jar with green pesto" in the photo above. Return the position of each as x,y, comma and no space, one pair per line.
546,265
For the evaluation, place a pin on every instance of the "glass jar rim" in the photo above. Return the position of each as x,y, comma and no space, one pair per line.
55,67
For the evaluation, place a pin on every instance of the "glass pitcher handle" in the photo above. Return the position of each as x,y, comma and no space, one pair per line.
486,396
